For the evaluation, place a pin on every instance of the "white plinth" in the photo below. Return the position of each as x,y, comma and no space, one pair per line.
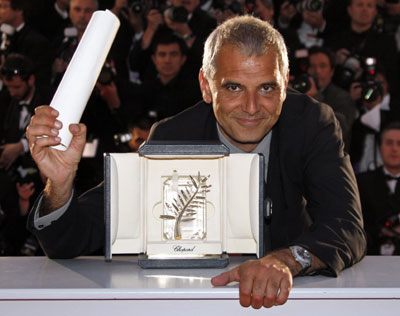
90,286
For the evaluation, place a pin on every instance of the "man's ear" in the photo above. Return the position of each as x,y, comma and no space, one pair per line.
31,80
205,87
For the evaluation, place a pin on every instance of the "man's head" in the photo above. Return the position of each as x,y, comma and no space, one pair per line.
63,4
390,147
321,65
362,14
169,55
12,12
140,130
80,12
190,5
244,75
265,10
17,75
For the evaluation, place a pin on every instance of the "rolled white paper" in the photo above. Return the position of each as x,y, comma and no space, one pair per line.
83,70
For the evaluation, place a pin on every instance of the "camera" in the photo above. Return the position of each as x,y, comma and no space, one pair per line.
370,88
250,6
137,6
234,6
69,44
308,5
177,14
346,73
107,75
301,81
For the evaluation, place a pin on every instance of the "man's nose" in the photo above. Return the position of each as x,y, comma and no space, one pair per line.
250,105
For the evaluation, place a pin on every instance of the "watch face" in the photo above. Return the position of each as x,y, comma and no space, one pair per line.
301,255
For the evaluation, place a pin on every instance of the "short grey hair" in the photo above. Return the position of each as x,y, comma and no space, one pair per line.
248,34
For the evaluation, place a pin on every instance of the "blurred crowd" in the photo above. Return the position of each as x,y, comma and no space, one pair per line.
344,53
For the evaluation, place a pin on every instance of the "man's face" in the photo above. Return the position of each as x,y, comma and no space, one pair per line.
362,12
320,68
80,13
247,94
138,137
265,13
390,149
168,60
190,5
7,14
19,89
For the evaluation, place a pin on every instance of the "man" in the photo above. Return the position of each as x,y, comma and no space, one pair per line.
309,178
363,41
18,76
192,24
172,90
80,13
375,113
380,196
19,79
322,68
53,19
27,41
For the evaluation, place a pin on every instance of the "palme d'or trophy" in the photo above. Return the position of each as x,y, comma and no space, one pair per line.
184,205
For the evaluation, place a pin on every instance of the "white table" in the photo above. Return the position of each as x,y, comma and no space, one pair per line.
90,286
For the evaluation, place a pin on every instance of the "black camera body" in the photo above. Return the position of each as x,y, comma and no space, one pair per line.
301,83
234,6
107,75
371,89
308,5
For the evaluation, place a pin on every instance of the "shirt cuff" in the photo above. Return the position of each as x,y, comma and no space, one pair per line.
41,222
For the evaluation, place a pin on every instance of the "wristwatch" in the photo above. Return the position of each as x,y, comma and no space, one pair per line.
303,257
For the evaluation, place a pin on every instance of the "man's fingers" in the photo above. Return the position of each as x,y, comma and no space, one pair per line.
245,290
39,143
271,293
226,278
284,291
258,292
79,137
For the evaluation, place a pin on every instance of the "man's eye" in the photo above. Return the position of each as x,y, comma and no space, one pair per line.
266,88
233,87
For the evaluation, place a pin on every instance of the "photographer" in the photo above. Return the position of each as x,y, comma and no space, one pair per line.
15,239
362,40
321,70
380,197
184,18
307,18
172,90
19,178
25,40
18,76
377,107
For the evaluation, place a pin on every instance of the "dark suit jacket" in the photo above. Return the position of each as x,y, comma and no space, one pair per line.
378,204
310,180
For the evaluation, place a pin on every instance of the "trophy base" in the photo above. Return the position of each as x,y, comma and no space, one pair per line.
218,261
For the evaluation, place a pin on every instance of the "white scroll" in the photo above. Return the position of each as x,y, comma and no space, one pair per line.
81,75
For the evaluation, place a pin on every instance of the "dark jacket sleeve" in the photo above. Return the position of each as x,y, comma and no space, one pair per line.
336,234
79,231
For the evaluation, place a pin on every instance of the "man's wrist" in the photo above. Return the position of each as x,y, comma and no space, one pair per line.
55,196
286,257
